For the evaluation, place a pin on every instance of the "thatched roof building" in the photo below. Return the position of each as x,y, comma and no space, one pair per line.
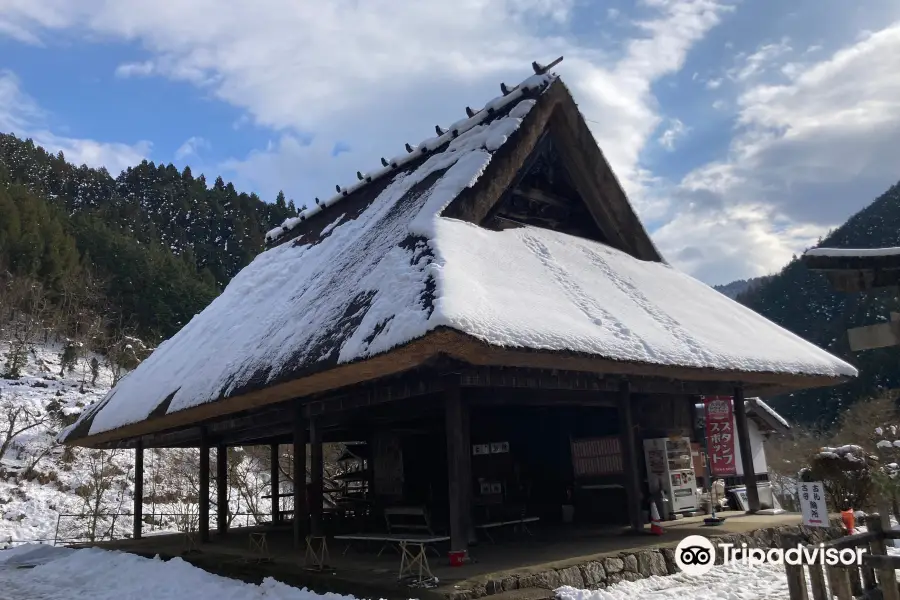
502,253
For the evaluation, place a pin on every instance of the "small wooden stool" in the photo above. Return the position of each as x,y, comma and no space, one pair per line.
317,551
259,546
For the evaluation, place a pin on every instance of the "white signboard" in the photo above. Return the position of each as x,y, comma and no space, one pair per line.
812,503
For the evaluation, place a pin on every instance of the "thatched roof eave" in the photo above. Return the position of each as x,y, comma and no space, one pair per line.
444,342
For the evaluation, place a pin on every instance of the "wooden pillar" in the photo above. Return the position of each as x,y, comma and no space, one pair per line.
222,489
459,470
274,477
204,486
301,507
316,467
138,489
743,435
629,458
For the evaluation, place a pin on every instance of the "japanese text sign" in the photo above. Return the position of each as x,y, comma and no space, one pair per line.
720,435
812,503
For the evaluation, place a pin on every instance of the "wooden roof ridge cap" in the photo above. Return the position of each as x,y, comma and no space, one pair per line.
509,96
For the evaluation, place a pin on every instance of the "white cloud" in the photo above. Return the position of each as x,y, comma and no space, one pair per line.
378,73
112,155
674,132
808,153
765,57
714,83
17,109
20,114
136,69
191,147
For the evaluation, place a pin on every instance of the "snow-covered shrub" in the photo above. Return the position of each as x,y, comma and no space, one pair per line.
846,472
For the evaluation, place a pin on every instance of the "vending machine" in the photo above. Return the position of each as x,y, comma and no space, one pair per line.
670,468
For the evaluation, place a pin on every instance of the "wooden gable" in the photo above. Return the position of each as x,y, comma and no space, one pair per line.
543,195
552,174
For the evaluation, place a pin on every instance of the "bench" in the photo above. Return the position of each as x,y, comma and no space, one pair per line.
413,546
515,523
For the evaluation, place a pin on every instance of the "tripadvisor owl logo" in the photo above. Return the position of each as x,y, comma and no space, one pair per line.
695,555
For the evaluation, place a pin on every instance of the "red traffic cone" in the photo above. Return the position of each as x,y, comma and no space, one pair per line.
655,524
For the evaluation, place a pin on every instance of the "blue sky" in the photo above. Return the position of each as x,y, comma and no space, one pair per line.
741,130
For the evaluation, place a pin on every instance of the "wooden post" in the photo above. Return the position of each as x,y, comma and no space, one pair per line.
795,579
301,507
840,585
316,468
458,467
138,489
856,588
204,486
817,582
274,479
887,578
221,489
743,434
629,458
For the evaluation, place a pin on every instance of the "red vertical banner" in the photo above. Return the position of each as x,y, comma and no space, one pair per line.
720,434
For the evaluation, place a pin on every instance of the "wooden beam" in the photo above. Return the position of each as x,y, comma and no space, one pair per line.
204,487
138,490
221,490
274,477
301,506
536,195
743,433
458,465
629,457
316,467
529,219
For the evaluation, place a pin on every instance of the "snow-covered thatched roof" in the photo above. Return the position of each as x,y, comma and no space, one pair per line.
404,261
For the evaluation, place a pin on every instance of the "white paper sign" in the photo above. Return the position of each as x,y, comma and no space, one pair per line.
812,503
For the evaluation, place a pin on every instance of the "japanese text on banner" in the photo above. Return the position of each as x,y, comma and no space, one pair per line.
720,435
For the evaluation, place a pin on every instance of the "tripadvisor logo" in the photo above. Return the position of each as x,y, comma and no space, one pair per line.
695,555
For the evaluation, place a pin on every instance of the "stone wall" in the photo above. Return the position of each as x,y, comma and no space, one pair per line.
602,571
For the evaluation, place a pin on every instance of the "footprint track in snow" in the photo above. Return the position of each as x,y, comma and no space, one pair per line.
665,320
591,308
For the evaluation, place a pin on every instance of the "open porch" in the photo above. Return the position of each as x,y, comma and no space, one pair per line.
464,455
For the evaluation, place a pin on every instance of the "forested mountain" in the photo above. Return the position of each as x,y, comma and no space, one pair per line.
740,286
148,249
801,301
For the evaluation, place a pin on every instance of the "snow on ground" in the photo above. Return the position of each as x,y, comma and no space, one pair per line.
727,582
734,581
41,480
103,575
30,504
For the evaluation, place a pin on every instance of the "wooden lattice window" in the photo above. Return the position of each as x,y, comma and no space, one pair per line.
597,456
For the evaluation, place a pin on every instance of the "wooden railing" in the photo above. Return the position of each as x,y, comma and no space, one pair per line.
874,579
